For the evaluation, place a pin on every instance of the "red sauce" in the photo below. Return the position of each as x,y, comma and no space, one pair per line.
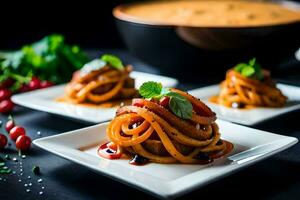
204,158
138,160
109,151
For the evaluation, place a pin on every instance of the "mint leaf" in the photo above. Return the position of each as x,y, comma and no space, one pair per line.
252,62
239,67
178,104
248,71
150,89
175,95
251,69
114,61
181,107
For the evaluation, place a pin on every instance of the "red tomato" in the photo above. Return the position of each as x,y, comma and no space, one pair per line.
137,102
15,132
45,84
4,94
9,125
34,84
164,101
6,106
3,141
24,88
110,153
23,143
7,83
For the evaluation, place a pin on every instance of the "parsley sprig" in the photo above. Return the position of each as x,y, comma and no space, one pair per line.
251,69
178,104
113,61
98,63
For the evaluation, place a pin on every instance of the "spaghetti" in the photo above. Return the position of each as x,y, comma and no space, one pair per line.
101,84
239,91
150,129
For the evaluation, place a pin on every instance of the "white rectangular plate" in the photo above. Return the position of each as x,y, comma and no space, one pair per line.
249,116
44,100
166,180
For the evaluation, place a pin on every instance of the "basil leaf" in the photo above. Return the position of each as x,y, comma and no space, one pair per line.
176,95
251,69
252,62
150,89
248,71
114,61
178,104
239,67
181,107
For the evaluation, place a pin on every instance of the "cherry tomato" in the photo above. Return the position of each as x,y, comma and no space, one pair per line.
4,94
23,143
137,102
3,141
45,84
16,131
9,125
109,151
164,101
34,84
6,106
24,88
7,83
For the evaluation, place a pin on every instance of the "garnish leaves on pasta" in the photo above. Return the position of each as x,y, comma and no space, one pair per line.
178,104
150,89
251,69
114,61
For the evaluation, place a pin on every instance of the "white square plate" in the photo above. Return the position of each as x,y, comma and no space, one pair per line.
166,180
249,116
44,100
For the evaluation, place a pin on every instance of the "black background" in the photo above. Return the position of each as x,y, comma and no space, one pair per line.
85,22
91,25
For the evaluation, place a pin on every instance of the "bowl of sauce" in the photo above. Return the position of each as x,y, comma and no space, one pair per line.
190,39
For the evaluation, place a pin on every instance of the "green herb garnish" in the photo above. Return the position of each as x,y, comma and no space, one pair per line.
178,104
251,69
4,169
49,59
113,61
151,89
36,170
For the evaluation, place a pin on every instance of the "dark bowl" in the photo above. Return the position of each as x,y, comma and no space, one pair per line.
200,53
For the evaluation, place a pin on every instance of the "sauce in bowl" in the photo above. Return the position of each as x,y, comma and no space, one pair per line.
208,13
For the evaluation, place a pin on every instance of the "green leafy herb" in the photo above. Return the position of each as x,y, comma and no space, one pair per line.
4,169
50,59
178,104
36,170
114,61
251,69
150,89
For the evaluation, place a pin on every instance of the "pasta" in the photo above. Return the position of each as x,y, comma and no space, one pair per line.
241,92
101,85
152,131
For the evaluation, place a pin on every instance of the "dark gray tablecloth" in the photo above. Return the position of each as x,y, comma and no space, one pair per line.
275,178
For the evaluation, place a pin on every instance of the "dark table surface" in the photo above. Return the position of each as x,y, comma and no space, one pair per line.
275,178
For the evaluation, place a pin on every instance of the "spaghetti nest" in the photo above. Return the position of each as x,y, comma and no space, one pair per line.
150,130
244,91
101,85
